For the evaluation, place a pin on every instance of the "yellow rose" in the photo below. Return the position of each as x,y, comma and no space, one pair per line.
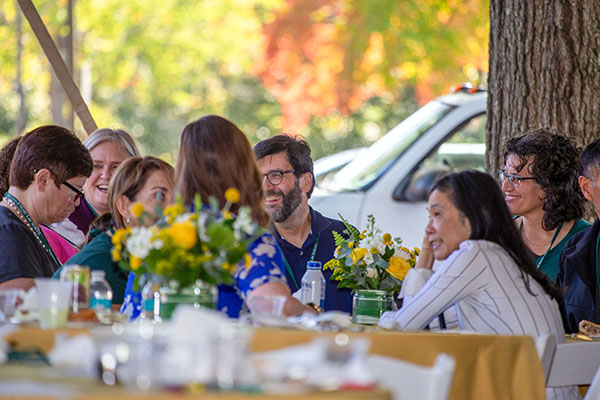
227,215
357,254
134,262
137,209
398,267
232,195
183,234
247,261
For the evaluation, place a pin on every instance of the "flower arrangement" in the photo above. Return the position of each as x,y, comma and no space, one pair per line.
370,260
205,244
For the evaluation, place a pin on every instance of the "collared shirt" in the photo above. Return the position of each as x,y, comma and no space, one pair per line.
321,228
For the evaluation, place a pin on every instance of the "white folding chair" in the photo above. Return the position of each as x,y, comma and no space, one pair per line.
593,392
409,381
574,364
546,346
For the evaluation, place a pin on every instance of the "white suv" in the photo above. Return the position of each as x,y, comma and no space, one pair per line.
392,177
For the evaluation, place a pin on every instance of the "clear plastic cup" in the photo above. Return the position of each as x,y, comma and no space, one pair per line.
54,298
267,306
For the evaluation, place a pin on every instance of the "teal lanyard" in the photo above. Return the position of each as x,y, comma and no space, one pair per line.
541,261
312,258
90,207
9,198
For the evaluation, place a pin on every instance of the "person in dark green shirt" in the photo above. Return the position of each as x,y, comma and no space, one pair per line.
147,181
540,185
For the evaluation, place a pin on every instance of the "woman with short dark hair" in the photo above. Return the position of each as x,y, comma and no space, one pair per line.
540,185
47,173
485,274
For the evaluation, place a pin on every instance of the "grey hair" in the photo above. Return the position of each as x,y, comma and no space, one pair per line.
112,135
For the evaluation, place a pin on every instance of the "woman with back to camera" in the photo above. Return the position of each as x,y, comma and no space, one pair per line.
108,148
47,172
486,273
540,185
215,155
145,180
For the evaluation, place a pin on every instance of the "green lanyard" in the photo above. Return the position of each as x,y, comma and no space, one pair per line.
312,258
90,207
541,261
9,198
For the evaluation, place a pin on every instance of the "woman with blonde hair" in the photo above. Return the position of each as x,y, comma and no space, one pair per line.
144,180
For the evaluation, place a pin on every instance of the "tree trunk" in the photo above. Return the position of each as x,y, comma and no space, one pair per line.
544,71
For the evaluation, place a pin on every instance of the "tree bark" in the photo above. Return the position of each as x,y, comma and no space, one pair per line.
544,71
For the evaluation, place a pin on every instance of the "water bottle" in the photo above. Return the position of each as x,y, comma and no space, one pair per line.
313,285
101,293
151,299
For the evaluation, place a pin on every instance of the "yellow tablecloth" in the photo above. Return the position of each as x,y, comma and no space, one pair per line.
487,366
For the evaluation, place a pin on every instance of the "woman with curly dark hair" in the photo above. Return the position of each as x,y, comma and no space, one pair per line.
539,181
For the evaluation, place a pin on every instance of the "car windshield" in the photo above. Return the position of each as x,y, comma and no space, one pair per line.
374,161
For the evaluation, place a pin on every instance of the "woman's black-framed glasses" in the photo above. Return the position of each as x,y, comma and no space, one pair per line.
78,192
276,176
514,180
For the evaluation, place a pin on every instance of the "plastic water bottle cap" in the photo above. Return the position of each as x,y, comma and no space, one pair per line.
98,273
313,265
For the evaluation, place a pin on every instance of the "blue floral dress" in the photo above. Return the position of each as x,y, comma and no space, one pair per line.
267,266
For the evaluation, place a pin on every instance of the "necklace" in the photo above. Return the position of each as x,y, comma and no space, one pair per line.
534,243
24,216
542,258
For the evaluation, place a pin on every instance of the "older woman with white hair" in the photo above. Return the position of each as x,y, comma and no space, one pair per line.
108,148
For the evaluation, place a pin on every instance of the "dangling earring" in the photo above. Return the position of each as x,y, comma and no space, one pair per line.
127,220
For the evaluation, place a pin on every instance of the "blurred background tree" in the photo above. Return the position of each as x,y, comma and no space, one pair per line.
339,72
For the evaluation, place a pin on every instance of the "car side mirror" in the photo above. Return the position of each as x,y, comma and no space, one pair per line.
422,181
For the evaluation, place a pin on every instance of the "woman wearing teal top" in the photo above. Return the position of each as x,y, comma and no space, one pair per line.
539,181
147,181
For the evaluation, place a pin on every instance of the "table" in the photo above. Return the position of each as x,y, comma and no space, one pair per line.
487,366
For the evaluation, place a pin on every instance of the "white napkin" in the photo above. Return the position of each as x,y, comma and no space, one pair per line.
74,353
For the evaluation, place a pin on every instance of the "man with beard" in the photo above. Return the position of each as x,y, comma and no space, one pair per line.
302,233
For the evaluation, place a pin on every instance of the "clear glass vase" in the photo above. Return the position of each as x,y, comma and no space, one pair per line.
368,305
200,294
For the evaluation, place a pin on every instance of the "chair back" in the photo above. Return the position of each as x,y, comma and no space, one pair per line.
546,346
410,381
593,392
574,364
